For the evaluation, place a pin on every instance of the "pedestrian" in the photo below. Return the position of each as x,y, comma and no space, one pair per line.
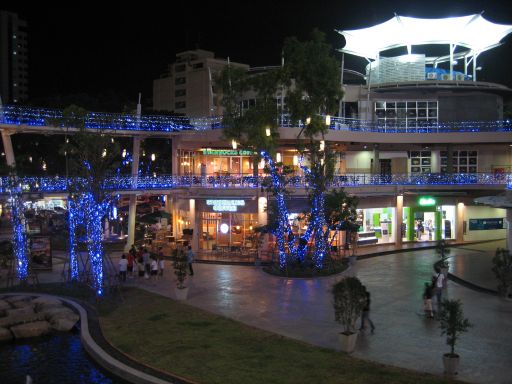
123,265
190,260
427,300
147,263
154,267
131,262
438,284
365,317
140,266
161,265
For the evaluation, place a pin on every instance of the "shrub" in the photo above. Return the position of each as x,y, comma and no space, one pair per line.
349,297
502,268
452,322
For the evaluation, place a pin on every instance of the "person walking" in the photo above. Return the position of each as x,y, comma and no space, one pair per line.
131,262
190,260
161,265
147,263
123,265
154,267
438,284
427,300
365,317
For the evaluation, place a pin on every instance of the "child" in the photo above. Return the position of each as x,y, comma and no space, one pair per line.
123,265
154,267
161,266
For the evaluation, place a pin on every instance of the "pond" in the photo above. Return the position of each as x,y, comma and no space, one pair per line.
57,358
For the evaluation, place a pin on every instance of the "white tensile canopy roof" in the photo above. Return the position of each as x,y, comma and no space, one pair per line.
472,32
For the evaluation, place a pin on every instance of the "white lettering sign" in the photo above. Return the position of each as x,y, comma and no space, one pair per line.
225,205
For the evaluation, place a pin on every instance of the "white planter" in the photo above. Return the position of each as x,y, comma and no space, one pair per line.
451,364
348,342
181,294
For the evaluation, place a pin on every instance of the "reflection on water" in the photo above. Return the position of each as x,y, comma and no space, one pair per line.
58,358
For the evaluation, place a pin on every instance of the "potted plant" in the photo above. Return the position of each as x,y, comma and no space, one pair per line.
180,264
452,324
443,251
502,268
348,301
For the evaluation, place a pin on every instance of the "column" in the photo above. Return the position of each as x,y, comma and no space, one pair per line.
376,160
262,220
438,217
9,153
409,232
459,223
509,229
194,224
399,218
132,209
175,161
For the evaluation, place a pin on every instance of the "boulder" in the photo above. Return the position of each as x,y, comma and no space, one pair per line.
14,299
37,328
20,319
5,334
23,304
20,311
48,302
56,311
4,305
64,323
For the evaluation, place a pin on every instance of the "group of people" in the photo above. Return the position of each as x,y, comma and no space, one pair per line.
432,289
139,262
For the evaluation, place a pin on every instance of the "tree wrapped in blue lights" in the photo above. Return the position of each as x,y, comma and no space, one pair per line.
93,157
20,239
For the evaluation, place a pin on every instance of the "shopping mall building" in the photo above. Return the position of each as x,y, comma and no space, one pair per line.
418,139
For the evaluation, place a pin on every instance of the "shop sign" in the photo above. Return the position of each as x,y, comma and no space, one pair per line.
427,201
225,205
227,152
485,224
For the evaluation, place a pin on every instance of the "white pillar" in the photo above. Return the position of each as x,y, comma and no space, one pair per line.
435,165
459,223
262,220
9,153
194,224
452,48
509,229
398,220
132,209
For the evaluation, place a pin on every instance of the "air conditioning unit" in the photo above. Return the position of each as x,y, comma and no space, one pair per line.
431,76
445,76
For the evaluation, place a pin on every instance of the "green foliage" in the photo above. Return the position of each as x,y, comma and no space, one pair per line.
349,296
502,268
180,264
314,73
452,322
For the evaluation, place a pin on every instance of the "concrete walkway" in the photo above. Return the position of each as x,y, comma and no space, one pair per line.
302,309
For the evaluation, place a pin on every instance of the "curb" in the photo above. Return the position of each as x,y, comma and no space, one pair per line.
100,356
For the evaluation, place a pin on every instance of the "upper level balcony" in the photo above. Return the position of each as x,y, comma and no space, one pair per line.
162,183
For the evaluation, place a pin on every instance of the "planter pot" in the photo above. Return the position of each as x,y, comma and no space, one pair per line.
181,294
451,363
348,342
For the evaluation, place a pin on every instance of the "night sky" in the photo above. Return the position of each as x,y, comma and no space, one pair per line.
83,47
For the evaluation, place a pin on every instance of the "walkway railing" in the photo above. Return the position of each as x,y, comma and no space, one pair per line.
43,117
163,182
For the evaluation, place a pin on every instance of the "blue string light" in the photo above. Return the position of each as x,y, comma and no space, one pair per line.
20,243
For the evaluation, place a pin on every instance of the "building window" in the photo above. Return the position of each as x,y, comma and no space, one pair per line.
180,68
197,65
180,92
180,80
462,161
420,162
180,105
406,114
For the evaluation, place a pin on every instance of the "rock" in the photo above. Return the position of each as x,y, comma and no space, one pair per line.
41,302
23,304
51,312
20,319
5,334
20,311
37,328
14,299
4,305
64,323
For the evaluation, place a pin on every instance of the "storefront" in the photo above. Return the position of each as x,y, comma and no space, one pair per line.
216,162
376,225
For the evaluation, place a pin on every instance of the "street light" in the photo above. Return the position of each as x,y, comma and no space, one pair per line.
267,132
327,119
234,144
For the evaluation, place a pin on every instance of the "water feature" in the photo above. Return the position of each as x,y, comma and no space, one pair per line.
58,358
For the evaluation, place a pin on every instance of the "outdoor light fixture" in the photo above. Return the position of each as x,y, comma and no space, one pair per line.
327,119
104,154
322,145
124,153
153,157
267,131
234,144
224,228
295,160
44,166
308,120
278,157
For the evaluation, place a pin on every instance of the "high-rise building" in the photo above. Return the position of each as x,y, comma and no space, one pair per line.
188,87
13,58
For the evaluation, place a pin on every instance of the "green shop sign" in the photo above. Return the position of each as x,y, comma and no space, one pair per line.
227,152
427,201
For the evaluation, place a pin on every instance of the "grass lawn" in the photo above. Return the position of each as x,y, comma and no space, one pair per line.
208,348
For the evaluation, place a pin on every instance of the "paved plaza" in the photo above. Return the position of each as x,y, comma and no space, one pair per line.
302,309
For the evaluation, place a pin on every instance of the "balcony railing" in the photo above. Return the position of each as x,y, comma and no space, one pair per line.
41,117
164,182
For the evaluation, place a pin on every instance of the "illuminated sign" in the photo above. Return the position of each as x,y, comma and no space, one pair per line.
227,152
225,205
427,201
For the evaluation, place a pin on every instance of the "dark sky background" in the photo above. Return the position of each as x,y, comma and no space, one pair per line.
88,47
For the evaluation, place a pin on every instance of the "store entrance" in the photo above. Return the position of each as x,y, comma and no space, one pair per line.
428,223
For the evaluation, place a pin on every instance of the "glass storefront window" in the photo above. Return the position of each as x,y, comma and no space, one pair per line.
224,229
